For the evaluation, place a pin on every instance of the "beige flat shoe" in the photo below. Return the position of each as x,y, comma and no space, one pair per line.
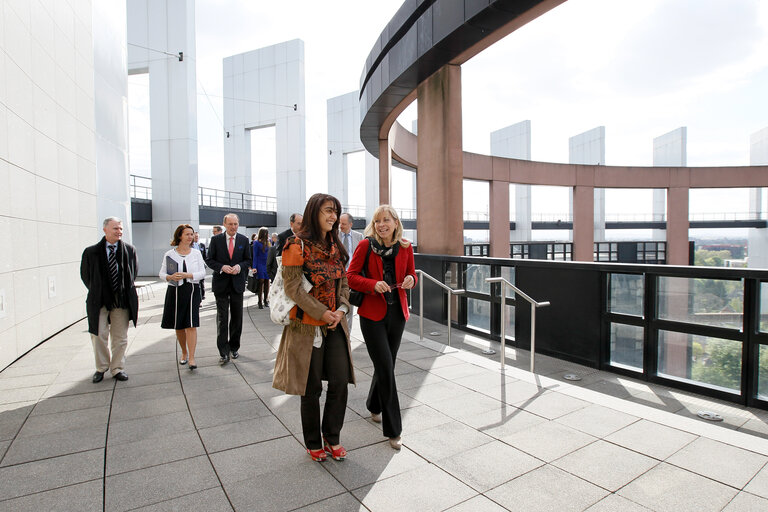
376,417
395,442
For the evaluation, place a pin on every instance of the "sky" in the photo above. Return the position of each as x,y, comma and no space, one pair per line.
641,69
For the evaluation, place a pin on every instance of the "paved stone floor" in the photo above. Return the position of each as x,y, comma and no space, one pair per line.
475,438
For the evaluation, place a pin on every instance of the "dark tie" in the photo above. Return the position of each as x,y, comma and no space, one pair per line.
114,274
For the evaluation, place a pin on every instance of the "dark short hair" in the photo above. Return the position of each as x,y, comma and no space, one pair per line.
293,217
176,240
351,218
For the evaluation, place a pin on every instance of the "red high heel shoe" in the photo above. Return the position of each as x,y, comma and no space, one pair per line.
337,454
317,455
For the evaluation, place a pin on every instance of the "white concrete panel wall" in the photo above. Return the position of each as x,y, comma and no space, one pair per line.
515,142
48,178
169,26
111,100
758,238
260,89
343,114
588,148
669,150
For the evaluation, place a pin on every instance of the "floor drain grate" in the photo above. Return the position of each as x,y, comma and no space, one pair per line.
709,416
571,376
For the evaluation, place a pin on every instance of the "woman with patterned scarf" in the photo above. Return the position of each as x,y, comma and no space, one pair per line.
389,272
315,346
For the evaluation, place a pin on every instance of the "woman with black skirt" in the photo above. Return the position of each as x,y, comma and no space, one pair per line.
389,272
183,268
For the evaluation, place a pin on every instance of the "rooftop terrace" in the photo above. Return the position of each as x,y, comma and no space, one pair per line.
475,438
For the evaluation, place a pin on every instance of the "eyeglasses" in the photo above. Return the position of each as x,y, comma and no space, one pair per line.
330,211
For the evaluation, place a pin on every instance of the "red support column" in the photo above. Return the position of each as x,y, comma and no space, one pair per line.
385,162
440,209
677,225
583,223
499,219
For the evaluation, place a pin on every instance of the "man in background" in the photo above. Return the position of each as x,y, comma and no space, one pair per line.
229,256
296,219
349,239
108,269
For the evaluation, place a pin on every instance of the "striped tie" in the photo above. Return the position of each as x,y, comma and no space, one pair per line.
113,271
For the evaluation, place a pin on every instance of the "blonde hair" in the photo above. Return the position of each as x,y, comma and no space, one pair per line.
397,236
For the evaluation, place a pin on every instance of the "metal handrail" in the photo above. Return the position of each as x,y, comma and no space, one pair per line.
534,305
448,289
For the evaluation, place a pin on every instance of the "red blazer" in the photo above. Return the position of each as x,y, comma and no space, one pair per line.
374,306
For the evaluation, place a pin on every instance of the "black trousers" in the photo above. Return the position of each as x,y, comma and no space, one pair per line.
229,321
382,339
330,362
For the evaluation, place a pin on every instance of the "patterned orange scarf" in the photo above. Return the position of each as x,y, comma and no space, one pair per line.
322,266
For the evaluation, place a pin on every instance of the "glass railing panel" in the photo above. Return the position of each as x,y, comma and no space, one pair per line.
764,307
475,276
479,314
510,322
627,343
715,302
702,360
508,273
762,373
626,294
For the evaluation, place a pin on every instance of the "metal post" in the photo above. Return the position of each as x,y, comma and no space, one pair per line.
421,306
449,319
533,336
502,350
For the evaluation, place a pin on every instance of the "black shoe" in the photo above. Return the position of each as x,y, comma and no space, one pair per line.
193,367
120,376
98,377
235,355
223,360
261,306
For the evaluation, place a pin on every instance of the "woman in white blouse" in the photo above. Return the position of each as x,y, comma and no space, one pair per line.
183,268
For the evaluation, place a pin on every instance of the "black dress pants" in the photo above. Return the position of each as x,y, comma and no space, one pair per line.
229,321
329,361
382,339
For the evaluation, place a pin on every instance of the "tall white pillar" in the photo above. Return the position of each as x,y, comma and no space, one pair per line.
515,142
758,238
588,148
261,88
669,150
167,26
344,138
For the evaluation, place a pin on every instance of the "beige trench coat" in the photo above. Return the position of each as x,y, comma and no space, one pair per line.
295,351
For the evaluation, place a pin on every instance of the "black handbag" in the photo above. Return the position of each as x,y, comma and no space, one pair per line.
356,297
252,283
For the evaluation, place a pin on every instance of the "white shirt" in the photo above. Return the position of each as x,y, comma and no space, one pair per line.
195,264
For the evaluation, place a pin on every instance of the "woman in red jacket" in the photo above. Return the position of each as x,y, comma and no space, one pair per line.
384,310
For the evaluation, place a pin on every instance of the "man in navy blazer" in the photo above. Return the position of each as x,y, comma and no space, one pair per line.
229,255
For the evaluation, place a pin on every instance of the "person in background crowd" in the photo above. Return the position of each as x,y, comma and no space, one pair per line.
272,258
229,254
260,248
108,269
315,346
384,311
200,246
282,237
349,239
182,298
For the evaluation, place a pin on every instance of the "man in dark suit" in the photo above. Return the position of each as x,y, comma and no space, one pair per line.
296,219
229,255
108,269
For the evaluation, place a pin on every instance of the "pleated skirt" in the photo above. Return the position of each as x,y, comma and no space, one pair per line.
182,307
